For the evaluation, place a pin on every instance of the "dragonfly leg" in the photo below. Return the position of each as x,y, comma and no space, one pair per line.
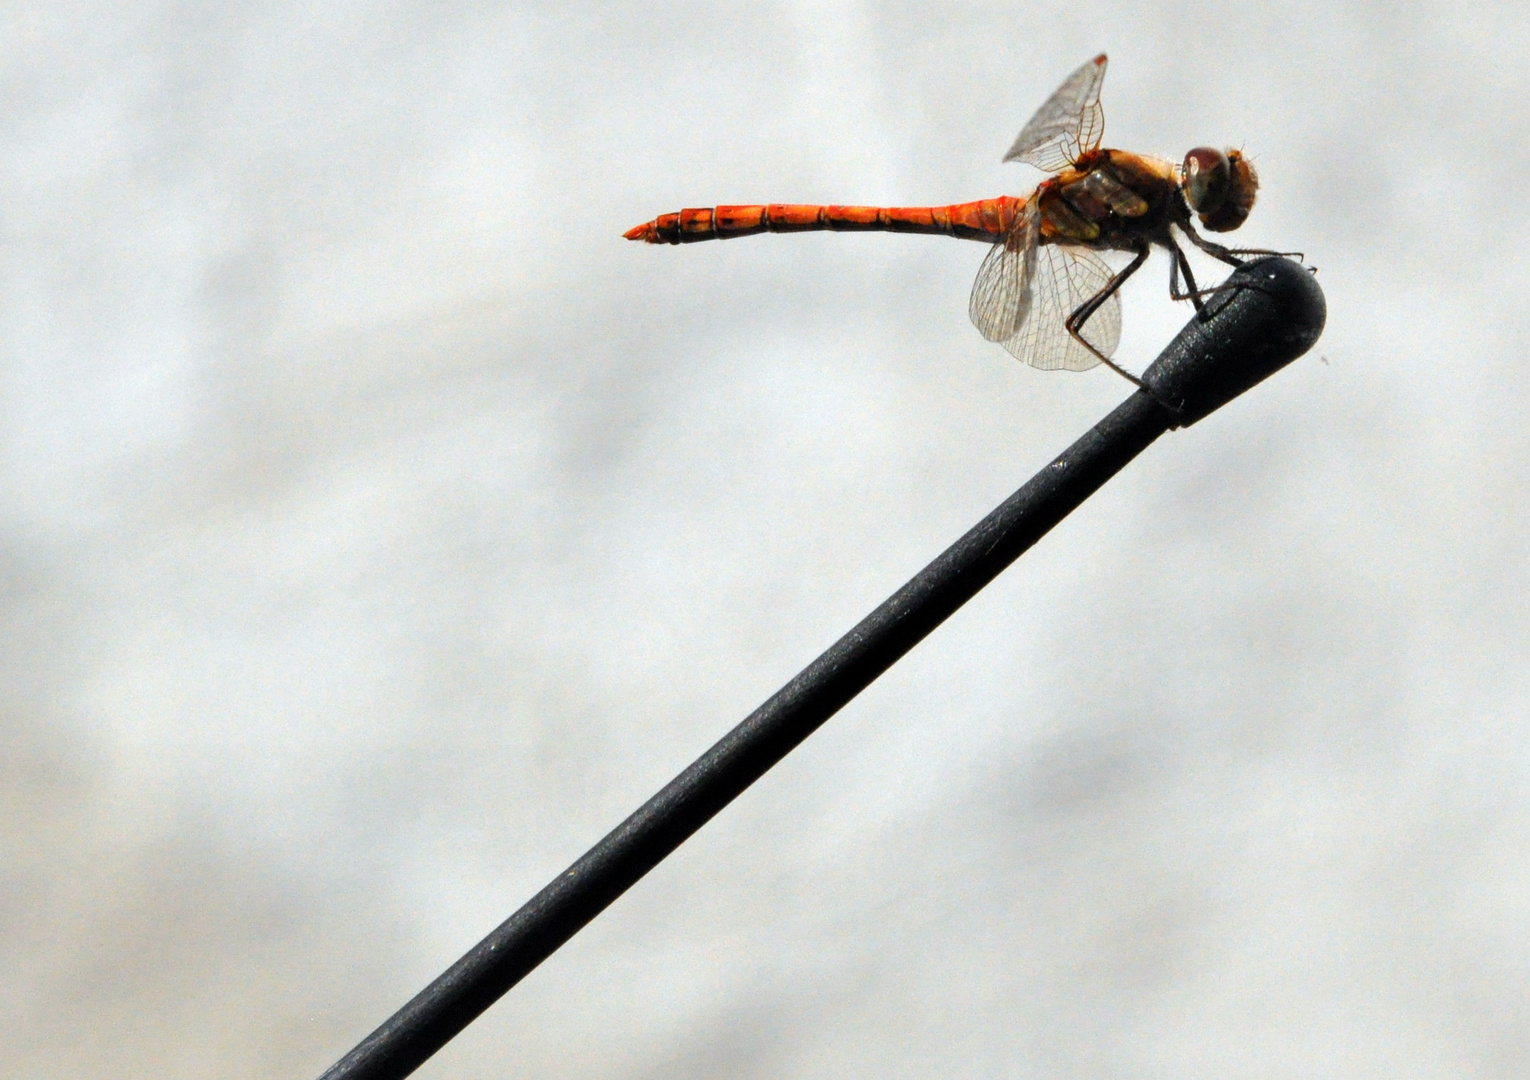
1226,254
1086,310
1178,264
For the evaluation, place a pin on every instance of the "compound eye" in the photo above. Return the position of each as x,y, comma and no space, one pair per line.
1205,178
1242,190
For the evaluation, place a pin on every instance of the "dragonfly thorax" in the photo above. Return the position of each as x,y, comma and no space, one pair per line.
1111,199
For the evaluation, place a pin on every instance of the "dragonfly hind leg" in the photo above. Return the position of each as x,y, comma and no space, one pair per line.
1081,315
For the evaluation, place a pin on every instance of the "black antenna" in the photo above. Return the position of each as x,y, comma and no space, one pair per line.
1268,314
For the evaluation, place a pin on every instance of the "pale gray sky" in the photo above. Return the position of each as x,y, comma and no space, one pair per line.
377,528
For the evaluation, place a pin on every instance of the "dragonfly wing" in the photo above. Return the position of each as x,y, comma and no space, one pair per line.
1068,125
1114,194
1001,295
1066,278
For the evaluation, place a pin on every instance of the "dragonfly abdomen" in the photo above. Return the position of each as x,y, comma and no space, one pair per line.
985,219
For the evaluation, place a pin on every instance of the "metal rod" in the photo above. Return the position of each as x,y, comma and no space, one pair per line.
1243,336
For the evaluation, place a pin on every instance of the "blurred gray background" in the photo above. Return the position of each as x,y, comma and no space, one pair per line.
378,528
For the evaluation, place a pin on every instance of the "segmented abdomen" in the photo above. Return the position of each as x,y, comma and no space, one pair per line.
985,219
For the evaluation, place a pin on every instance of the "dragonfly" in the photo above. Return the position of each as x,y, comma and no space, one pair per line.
1043,291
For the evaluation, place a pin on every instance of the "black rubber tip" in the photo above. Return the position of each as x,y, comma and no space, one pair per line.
1270,312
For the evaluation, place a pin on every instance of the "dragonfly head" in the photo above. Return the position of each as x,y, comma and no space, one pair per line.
1219,187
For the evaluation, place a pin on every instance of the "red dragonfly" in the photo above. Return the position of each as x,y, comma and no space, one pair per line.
1042,292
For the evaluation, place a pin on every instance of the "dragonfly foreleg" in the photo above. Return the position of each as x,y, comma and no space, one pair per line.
1215,250
1230,255
1075,322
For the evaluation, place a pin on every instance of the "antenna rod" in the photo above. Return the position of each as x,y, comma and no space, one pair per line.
1271,312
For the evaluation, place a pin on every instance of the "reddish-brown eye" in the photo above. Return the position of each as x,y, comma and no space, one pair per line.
1206,176
1242,189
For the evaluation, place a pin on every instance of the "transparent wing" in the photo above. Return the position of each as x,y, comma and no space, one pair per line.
1068,125
1112,193
1066,277
1001,295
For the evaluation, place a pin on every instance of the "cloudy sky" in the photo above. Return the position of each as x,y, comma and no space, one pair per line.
377,529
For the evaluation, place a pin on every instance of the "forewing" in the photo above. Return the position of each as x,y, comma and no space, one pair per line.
1100,185
1068,125
1066,278
1001,295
